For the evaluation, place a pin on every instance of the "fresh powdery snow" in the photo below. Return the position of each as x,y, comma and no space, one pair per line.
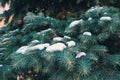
87,33
75,23
56,47
79,55
57,39
71,43
67,37
22,49
105,18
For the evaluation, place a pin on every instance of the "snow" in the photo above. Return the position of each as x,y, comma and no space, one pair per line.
57,39
48,17
67,37
87,33
1,53
96,8
105,13
39,46
56,47
44,31
1,65
106,18
22,49
71,43
89,18
35,41
76,22
79,55
25,49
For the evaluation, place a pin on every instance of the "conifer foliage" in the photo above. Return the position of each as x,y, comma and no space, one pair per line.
50,7
44,48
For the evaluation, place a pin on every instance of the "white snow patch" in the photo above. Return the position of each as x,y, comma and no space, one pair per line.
1,53
38,33
57,39
67,37
71,43
25,49
1,65
87,33
35,41
89,18
96,8
106,18
56,47
22,49
76,22
48,17
105,13
79,55
39,46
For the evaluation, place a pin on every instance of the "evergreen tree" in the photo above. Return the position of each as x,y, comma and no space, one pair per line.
50,7
44,48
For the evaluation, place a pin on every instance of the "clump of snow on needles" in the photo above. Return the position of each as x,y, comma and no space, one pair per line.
105,13
56,47
60,38
106,18
1,65
22,49
87,33
79,55
89,18
49,29
96,8
1,53
75,23
25,49
67,37
35,41
39,46
57,39
71,43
